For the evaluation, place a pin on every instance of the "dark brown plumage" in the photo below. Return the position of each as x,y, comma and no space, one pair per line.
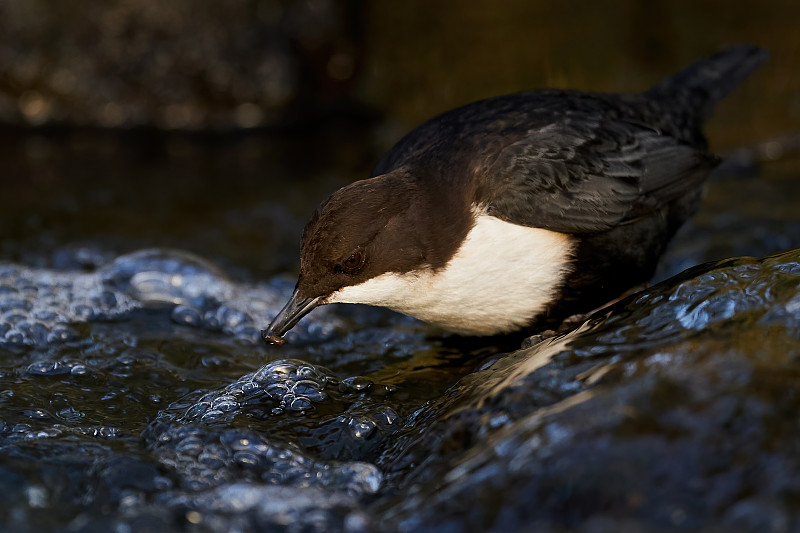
602,181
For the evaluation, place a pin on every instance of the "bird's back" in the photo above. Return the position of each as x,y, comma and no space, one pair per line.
618,172
472,135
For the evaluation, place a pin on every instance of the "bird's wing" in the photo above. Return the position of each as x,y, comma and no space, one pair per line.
590,175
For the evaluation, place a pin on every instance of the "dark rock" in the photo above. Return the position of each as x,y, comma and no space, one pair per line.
672,410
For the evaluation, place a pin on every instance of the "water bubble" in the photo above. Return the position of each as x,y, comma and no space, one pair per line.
107,300
211,321
225,404
355,384
231,318
197,410
189,316
211,416
12,317
296,404
13,303
61,333
51,303
7,290
310,389
14,337
45,315
34,332
49,368
78,370
246,458
250,387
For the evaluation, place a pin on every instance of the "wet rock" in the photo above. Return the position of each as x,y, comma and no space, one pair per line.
659,414
675,409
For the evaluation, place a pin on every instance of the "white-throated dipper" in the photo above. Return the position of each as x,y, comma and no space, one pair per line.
519,210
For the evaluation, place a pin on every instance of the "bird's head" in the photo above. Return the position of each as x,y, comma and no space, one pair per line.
363,231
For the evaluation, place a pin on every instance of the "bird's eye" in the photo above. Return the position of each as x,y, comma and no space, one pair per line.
353,263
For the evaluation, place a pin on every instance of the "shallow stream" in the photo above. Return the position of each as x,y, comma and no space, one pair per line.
136,395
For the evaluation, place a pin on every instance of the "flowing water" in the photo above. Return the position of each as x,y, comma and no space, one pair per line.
136,394
137,267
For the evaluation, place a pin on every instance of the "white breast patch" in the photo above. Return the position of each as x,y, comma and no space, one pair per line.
502,276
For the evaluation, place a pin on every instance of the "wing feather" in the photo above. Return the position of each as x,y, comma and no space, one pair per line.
590,175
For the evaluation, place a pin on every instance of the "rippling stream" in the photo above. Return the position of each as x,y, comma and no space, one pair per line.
157,164
136,394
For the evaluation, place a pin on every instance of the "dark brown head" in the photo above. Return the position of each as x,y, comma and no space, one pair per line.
361,231
367,229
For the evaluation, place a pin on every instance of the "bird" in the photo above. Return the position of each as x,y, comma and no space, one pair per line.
517,211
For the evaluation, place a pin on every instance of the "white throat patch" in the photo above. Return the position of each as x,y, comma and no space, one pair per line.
501,277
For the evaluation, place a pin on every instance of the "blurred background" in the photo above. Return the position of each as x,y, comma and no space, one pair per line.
217,127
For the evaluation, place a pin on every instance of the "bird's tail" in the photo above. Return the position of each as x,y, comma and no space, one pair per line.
701,85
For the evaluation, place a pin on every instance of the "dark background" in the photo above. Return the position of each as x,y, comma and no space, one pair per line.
218,126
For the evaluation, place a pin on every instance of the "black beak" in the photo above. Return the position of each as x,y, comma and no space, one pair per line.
295,309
